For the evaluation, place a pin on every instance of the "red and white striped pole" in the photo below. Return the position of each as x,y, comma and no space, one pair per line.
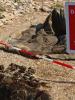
56,62
23,51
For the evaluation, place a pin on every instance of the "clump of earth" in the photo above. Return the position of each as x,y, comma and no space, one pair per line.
18,83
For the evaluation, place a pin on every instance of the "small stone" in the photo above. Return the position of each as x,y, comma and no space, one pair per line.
1,24
22,69
7,80
59,49
13,67
45,9
31,71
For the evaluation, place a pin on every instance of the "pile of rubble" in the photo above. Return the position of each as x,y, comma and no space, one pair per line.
48,37
18,83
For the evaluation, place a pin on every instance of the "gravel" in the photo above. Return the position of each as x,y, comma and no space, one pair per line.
57,79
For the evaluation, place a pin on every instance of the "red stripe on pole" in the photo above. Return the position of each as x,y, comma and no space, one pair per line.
27,52
34,55
63,64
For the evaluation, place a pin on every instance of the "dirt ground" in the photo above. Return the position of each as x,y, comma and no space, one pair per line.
60,81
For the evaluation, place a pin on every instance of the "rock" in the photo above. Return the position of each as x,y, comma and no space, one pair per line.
13,67
38,27
8,16
22,69
45,9
59,49
33,83
36,6
28,34
1,23
37,41
7,80
1,16
31,71
44,38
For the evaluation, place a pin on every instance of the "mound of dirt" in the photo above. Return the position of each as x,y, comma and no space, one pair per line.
48,37
40,41
18,83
